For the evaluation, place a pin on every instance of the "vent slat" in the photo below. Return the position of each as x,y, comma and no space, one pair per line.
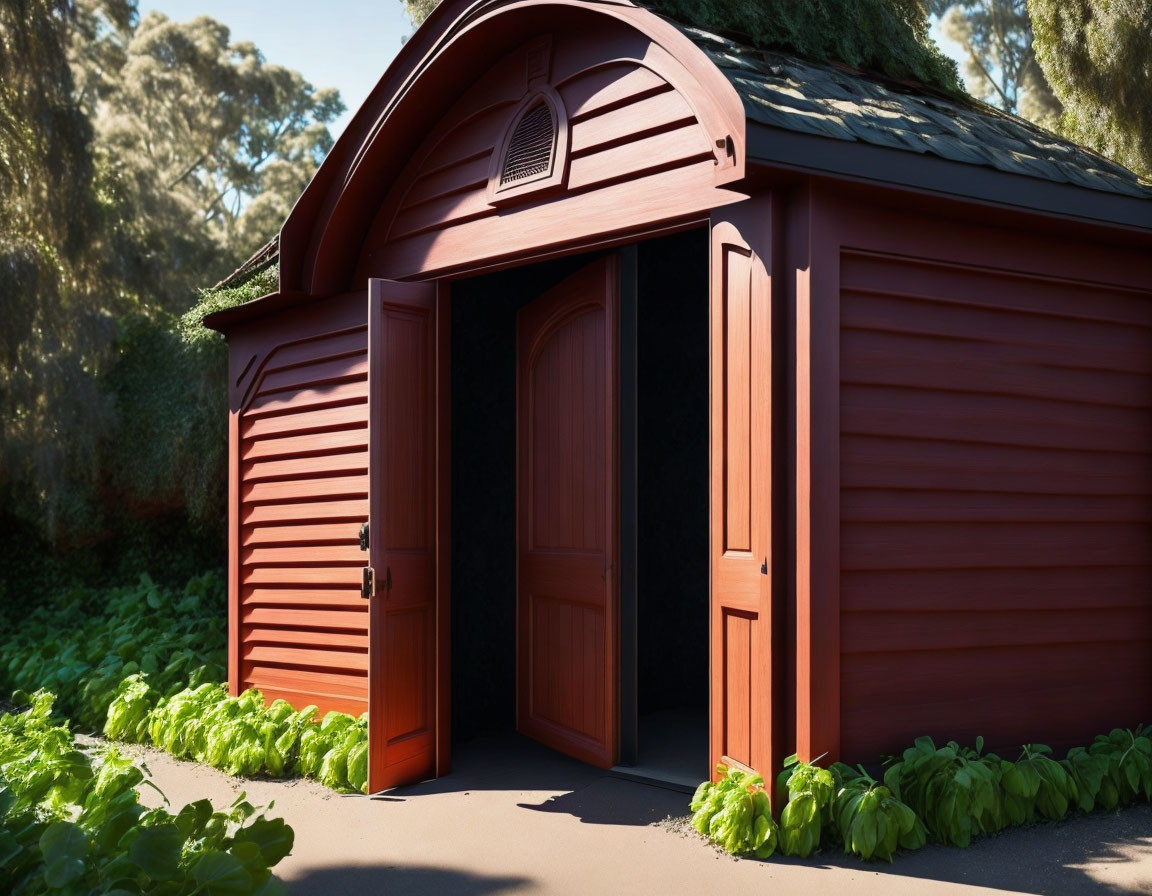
530,149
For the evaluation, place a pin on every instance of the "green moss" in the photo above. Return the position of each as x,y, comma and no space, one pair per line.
885,37
192,329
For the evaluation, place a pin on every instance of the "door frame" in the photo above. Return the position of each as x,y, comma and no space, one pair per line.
626,318
443,493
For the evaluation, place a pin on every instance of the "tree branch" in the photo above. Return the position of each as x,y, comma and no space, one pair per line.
1008,104
187,171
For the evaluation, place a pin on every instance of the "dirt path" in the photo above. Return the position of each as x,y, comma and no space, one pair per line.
514,818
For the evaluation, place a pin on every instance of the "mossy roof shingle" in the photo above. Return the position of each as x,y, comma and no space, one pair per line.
825,100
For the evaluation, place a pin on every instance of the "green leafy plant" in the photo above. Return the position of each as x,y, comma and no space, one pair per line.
1129,770
83,644
954,791
950,793
870,821
144,663
1089,771
1036,784
73,823
811,790
241,736
736,813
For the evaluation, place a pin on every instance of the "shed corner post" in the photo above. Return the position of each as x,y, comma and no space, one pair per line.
813,265
746,614
233,581
244,356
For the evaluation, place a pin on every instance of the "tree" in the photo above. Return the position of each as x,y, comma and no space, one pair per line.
419,10
55,330
212,143
139,161
1098,56
889,37
1000,65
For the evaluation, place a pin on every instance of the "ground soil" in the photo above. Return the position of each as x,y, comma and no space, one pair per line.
515,818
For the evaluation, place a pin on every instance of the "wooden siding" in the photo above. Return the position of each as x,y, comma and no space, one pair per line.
636,147
996,505
303,493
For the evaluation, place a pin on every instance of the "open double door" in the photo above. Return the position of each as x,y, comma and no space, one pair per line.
567,616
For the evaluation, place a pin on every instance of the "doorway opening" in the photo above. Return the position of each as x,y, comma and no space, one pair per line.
664,653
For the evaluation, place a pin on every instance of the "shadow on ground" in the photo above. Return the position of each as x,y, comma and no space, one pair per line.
402,880
521,766
1106,853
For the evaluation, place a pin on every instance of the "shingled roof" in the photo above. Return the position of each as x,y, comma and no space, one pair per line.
786,92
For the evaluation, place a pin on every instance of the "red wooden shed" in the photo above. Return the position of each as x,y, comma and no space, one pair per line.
671,374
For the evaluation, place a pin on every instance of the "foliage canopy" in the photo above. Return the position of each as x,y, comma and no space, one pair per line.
1098,56
139,160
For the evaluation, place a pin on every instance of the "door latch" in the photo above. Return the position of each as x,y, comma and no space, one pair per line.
364,537
368,582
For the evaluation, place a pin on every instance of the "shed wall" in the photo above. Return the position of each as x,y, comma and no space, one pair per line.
995,492
303,493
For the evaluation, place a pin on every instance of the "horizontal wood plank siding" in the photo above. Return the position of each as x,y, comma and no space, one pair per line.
996,505
303,496
626,124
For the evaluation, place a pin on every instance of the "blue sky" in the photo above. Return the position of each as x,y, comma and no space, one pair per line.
346,44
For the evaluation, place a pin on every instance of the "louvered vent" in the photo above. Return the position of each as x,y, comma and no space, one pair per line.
530,149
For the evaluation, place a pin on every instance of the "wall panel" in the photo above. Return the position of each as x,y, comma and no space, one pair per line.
996,504
302,462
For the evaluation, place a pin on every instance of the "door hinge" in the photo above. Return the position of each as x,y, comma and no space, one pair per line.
764,567
364,537
368,583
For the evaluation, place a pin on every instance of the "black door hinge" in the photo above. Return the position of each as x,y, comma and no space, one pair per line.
368,583
364,537
764,567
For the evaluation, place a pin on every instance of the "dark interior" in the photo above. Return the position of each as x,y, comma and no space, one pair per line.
672,483
672,475
484,491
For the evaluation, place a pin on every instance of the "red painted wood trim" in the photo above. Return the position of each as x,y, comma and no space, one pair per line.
1014,254
443,529
234,552
814,270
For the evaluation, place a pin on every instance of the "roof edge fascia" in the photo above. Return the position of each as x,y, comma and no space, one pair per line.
878,165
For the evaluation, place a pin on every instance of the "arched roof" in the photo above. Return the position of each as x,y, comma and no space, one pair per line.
459,41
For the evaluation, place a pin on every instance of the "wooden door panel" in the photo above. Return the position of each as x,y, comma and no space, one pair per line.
567,656
402,448
745,623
